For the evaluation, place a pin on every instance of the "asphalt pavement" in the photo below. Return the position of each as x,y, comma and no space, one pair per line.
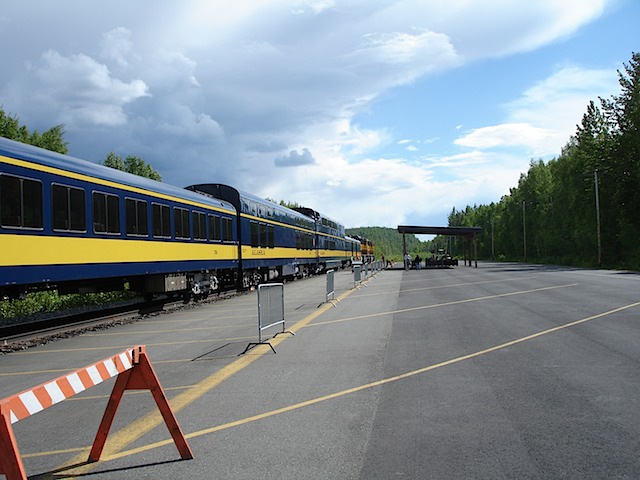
507,371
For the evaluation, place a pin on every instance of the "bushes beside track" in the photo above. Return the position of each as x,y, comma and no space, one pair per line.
45,302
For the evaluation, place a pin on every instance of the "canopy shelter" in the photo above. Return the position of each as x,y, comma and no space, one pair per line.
469,235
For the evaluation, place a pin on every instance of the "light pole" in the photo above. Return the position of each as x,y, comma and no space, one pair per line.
524,231
595,175
493,251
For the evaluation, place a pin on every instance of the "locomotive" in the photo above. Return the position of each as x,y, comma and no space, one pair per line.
367,249
76,226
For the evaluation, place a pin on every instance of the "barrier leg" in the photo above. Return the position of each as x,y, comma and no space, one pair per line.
10,462
140,377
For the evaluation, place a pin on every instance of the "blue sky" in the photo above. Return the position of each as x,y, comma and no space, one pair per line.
377,113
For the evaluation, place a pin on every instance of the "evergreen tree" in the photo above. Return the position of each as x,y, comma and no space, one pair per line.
554,203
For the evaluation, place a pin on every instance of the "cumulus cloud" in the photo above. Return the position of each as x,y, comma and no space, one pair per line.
84,90
295,159
116,45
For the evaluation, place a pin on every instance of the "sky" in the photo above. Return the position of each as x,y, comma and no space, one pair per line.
373,112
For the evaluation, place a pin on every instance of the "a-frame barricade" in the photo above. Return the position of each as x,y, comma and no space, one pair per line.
134,372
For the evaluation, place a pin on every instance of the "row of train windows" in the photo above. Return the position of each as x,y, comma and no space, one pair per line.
21,206
304,241
262,235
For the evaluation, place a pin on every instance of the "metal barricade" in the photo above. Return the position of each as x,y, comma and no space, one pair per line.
270,312
357,275
330,293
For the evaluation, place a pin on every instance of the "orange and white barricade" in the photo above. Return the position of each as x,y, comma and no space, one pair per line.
134,372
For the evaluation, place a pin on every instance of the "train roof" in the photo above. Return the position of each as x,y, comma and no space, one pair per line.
251,204
318,216
73,165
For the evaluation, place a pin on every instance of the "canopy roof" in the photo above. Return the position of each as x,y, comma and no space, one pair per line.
459,231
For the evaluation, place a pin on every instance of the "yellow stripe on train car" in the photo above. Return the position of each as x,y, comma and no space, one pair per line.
334,253
258,253
17,250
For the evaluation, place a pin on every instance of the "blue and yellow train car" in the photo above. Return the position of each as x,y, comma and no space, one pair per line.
76,226
334,249
353,246
274,241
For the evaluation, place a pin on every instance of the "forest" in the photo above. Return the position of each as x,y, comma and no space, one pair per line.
581,208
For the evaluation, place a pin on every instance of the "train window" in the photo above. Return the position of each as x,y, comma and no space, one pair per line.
20,202
68,208
136,217
199,225
263,235
227,230
161,220
215,234
271,243
106,213
255,234
181,218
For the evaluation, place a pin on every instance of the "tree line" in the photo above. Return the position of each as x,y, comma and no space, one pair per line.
581,208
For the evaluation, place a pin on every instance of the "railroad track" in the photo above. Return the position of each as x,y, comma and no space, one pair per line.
22,335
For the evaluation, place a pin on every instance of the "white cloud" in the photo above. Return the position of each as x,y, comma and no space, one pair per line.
560,99
543,119
84,90
507,134
117,45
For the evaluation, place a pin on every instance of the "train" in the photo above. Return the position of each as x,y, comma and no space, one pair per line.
76,226
367,249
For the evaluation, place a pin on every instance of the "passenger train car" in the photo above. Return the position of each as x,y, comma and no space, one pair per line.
334,248
76,226
276,241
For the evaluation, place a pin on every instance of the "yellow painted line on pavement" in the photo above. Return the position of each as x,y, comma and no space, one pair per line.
438,305
451,285
113,455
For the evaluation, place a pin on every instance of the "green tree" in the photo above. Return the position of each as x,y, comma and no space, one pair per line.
132,164
52,139
624,114
555,202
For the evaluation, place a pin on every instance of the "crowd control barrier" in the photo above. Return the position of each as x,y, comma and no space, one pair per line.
134,372
357,276
270,312
331,291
